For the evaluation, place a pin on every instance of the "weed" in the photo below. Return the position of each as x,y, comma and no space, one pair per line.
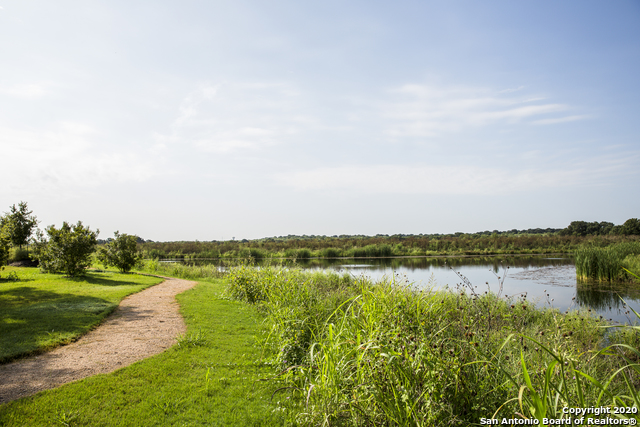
192,340
64,417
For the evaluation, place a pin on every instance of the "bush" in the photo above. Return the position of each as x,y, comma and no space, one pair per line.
68,249
303,254
18,254
121,252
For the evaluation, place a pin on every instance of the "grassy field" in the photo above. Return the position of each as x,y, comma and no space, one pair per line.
210,378
41,311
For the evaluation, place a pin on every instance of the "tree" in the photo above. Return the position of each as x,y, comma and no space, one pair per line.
120,252
68,249
19,223
631,227
5,242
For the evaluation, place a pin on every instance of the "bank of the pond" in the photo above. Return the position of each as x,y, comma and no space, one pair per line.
355,352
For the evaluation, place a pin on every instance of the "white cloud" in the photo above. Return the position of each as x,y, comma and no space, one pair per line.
560,120
30,90
236,116
63,159
414,110
448,180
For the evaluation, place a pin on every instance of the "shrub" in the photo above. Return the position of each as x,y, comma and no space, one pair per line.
303,254
18,254
121,252
331,253
68,249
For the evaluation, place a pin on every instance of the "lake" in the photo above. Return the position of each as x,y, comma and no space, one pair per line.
546,280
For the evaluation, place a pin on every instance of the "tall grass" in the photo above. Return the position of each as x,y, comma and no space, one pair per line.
354,352
604,263
175,269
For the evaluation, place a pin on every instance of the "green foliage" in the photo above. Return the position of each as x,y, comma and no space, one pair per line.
583,228
604,264
121,252
19,223
631,264
379,246
19,254
174,269
361,353
68,249
5,242
303,254
631,227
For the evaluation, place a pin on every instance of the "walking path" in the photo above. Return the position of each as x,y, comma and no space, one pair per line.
144,324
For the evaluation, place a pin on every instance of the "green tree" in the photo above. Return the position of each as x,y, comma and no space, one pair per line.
631,227
68,249
120,252
19,222
5,242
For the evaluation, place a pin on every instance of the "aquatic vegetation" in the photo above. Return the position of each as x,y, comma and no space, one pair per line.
355,352
605,263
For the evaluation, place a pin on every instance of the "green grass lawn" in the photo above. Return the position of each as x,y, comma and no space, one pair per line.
209,378
41,311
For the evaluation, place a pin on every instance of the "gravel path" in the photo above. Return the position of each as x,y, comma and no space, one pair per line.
144,324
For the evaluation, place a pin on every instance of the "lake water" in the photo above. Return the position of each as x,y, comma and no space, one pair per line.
546,280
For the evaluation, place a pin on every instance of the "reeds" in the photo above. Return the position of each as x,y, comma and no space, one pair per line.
604,263
175,269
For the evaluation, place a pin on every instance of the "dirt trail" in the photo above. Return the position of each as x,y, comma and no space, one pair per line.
144,324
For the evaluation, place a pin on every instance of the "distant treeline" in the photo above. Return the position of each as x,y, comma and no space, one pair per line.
333,247
537,240
631,227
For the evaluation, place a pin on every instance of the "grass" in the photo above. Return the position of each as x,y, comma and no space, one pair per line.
360,353
174,269
211,378
605,264
41,311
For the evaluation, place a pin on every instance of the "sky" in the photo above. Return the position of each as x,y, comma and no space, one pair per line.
213,120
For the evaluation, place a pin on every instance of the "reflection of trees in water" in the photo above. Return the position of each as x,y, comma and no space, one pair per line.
602,297
495,263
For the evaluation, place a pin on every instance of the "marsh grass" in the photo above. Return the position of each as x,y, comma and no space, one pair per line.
605,263
174,269
354,352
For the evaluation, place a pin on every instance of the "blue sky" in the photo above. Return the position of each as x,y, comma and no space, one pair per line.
211,120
